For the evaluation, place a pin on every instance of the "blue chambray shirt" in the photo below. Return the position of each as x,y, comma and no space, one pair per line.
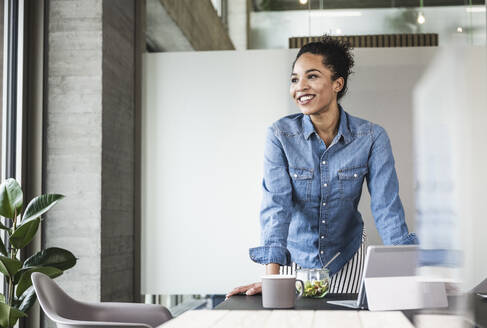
311,193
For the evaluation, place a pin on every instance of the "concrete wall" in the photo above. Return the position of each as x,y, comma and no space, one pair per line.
89,144
162,33
117,171
185,25
238,22
73,149
199,22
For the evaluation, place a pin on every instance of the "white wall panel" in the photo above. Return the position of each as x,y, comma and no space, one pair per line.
204,128
204,123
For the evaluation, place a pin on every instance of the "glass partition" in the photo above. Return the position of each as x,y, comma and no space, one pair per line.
459,24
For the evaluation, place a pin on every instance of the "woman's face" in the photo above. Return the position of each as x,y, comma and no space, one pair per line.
312,87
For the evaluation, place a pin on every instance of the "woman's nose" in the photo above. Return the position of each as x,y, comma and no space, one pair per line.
302,85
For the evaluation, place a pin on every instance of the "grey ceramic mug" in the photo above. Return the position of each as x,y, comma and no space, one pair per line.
279,291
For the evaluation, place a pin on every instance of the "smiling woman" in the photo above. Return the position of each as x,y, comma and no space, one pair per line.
319,80
315,164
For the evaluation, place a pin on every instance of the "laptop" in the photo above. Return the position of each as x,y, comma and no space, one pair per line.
384,261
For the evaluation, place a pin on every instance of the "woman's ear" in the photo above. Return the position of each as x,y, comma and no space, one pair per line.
338,84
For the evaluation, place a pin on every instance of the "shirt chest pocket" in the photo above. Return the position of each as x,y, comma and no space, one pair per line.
301,180
350,181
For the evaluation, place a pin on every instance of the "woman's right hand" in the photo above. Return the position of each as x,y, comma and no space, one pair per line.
255,288
252,289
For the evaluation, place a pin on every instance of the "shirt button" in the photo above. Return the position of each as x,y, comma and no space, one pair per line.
322,237
355,175
295,175
324,162
324,204
325,185
322,221
321,252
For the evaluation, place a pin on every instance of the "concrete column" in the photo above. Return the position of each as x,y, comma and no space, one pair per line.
238,23
200,24
118,149
162,33
89,144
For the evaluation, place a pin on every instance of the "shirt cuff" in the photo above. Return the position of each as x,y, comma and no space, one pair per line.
270,254
410,239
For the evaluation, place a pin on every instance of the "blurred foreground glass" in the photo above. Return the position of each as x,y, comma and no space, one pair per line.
450,155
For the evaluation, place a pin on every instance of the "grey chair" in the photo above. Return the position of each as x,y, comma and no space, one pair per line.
66,312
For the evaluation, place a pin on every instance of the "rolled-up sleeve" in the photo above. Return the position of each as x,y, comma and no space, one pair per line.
275,213
383,187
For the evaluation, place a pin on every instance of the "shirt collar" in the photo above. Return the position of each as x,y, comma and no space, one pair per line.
308,128
343,128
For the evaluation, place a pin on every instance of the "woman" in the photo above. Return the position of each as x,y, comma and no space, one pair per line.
314,167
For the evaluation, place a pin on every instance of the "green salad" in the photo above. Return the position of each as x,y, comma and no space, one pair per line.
315,288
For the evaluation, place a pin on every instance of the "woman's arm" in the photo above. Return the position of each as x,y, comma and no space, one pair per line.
272,268
275,214
383,187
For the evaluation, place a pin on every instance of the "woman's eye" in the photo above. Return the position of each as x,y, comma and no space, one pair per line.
312,76
294,80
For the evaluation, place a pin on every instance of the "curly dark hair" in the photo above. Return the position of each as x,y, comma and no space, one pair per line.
337,56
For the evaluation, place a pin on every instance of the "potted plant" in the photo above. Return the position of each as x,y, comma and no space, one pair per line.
20,294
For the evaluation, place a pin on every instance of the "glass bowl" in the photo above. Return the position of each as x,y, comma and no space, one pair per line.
316,282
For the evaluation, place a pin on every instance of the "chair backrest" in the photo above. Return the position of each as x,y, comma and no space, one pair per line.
53,300
68,312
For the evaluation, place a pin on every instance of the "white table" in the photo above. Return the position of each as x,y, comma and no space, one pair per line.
288,318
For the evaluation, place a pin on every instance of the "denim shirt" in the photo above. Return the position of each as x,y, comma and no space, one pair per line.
311,192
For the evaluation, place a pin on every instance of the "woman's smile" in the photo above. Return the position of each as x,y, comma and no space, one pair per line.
305,99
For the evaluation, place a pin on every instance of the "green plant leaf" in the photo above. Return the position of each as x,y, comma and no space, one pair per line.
18,274
15,303
8,266
2,227
27,299
11,198
9,315
3,250
25,281
40,205
54,257
23,235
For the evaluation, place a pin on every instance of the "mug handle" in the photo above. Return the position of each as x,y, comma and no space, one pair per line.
300,293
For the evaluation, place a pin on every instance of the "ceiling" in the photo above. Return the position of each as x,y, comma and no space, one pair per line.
276,5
